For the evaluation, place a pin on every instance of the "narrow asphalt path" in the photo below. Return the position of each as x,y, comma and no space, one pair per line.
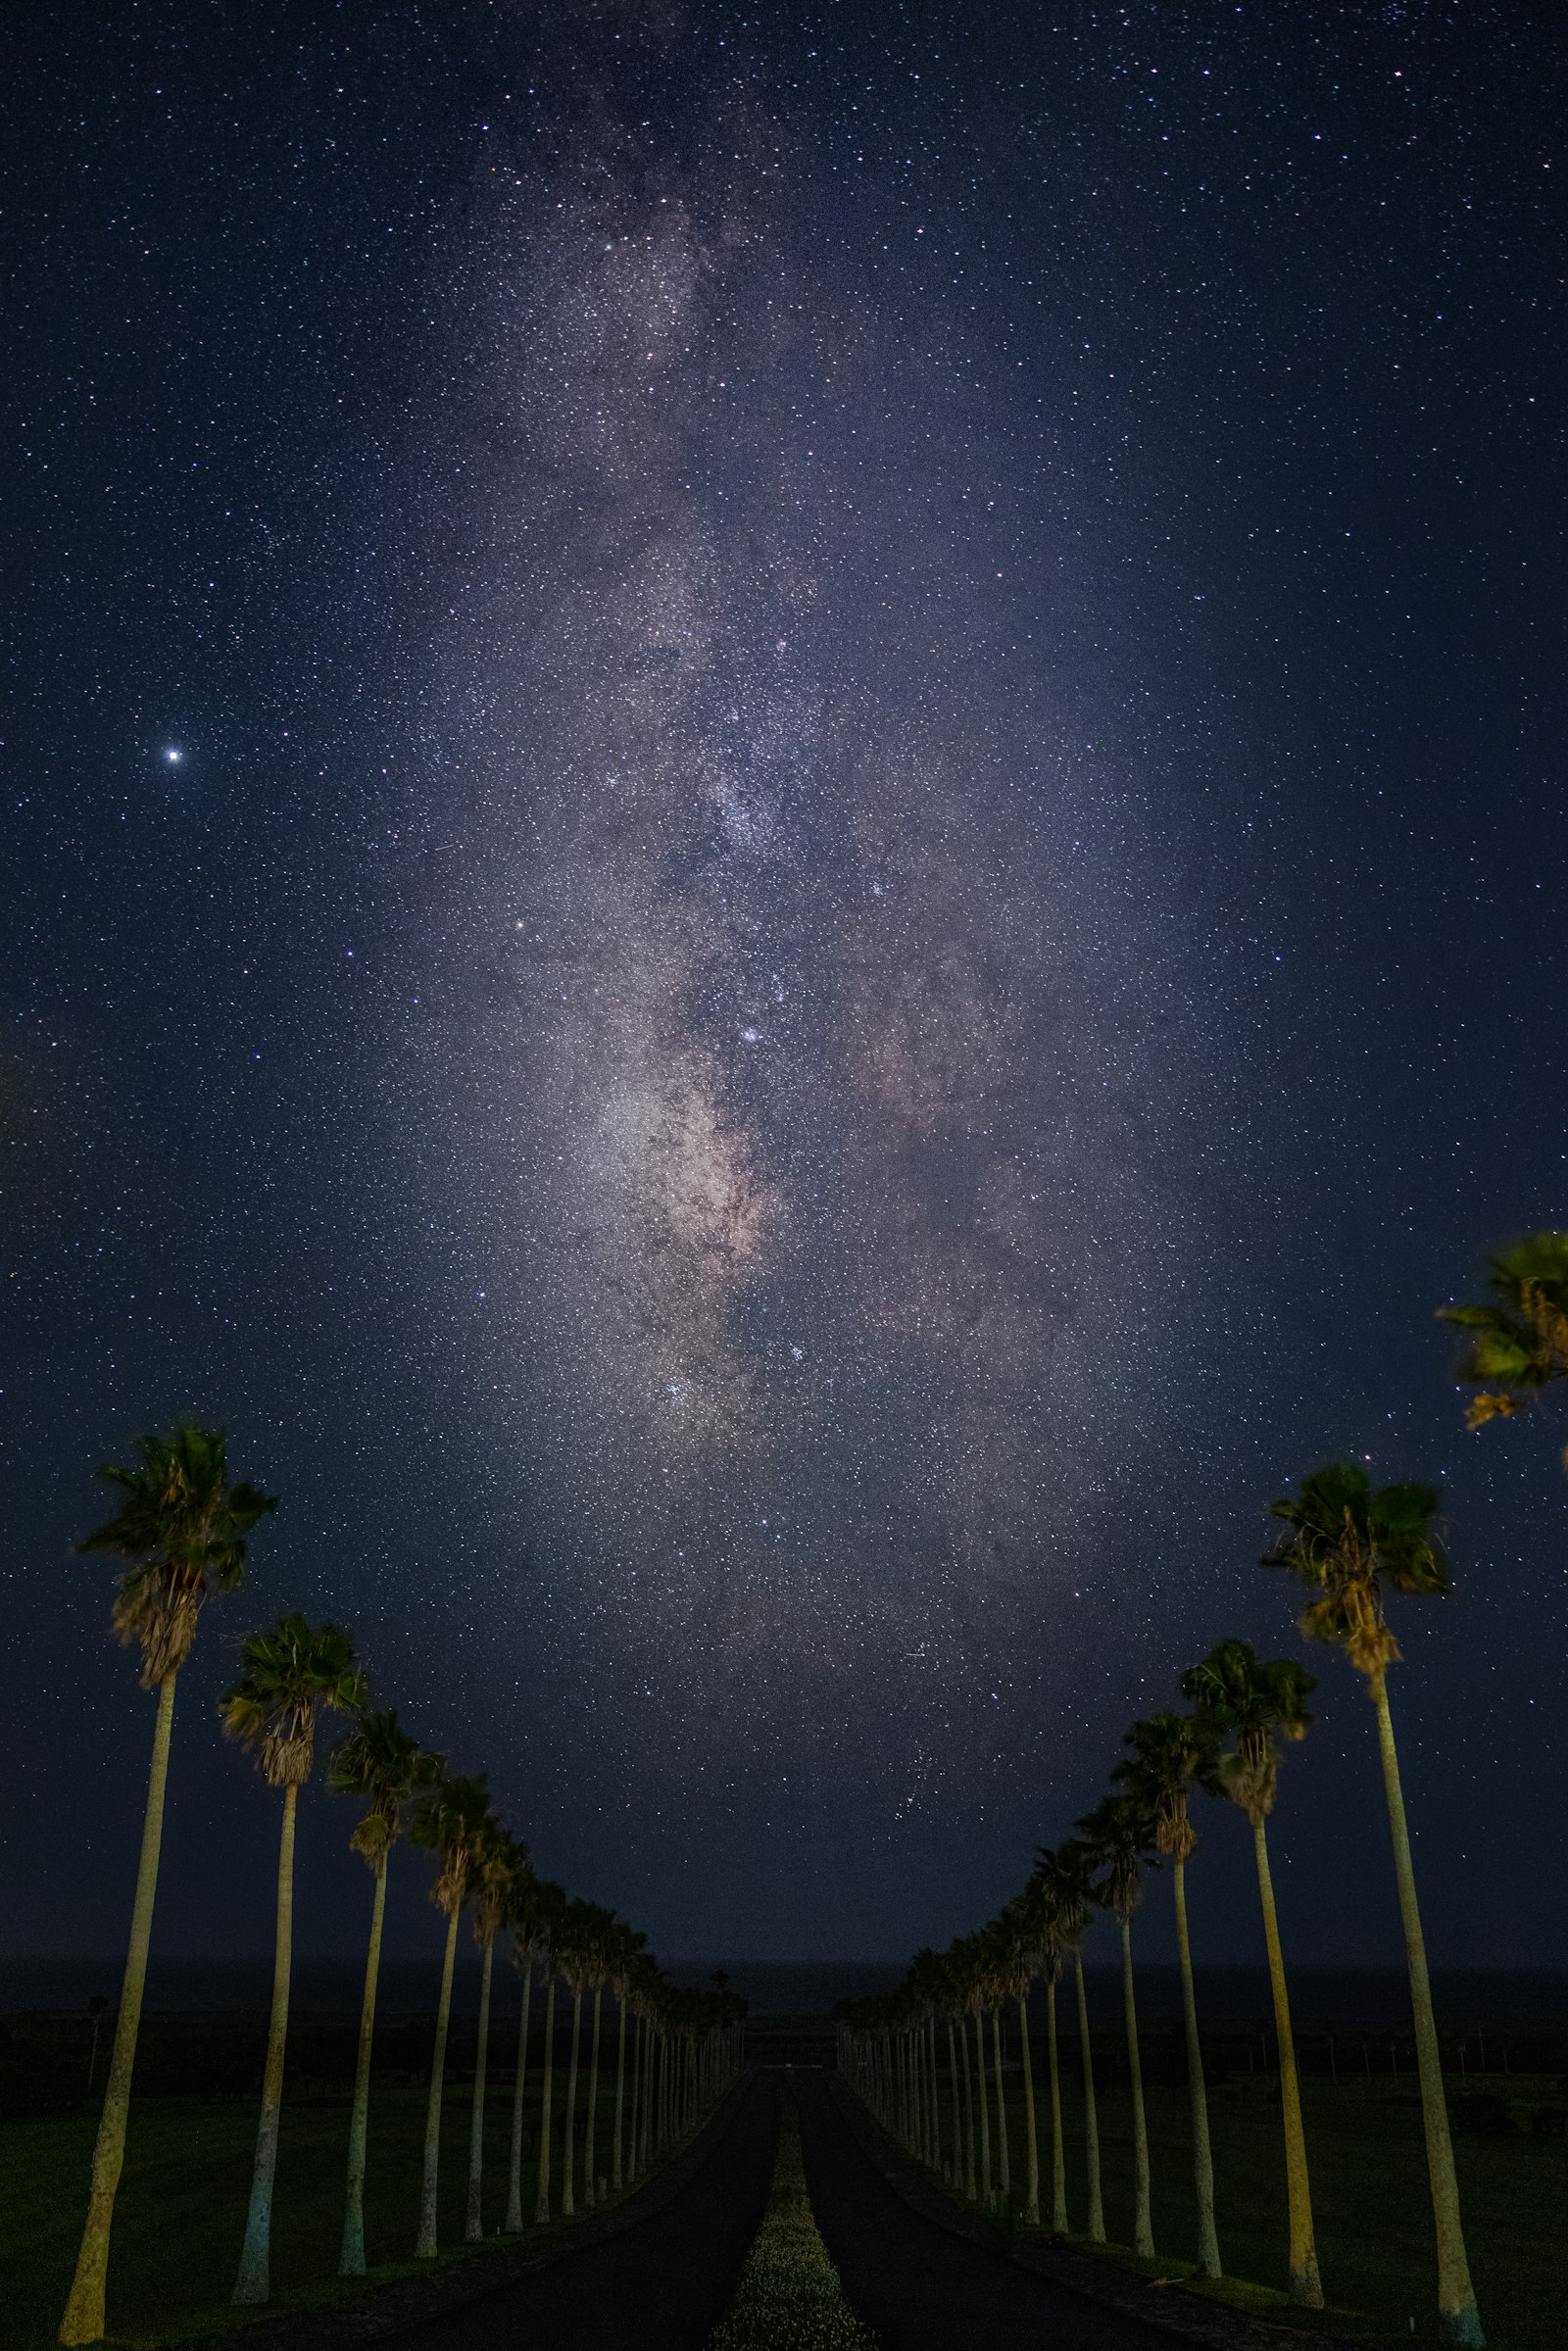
921,2289
661,2287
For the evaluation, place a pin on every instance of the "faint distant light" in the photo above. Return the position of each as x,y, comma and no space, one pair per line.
750,1036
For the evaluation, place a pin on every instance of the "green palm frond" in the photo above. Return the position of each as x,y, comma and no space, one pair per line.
1171,1753
380,1764
1121,1834
1522,1342
181,1527
1257,1706
451,1819
1345,1542
292,1670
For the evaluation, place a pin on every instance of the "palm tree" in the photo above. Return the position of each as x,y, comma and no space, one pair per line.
1257,1706
499,1864
1065,1881
1120,1834
541,2201
534,1905
380,1764
601,1956
180,1526
453,1820
1345,1543
1171,1753
628,1944
576,1960
1520,1340
1040,1926
1015,1969
291,1672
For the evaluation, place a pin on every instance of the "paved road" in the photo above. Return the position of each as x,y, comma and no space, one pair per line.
922,2290
661,2287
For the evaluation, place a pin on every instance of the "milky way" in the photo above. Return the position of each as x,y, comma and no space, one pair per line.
861,906
835,1092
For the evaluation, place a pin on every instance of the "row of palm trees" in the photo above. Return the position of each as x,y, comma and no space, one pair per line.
181,1529
1347,1545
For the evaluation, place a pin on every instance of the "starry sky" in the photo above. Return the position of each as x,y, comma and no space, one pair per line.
785,846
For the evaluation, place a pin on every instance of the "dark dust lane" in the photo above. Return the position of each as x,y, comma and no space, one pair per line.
920,2289
658,2287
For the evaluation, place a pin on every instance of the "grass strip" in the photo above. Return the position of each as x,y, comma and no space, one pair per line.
789,2297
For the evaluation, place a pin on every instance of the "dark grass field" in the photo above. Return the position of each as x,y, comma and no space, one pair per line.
180,2213
1369,2194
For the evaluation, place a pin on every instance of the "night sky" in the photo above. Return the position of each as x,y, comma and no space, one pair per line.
784,855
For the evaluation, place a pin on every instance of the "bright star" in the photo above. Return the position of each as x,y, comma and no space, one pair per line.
173,756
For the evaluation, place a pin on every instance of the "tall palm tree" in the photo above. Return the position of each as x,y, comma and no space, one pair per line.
577,1959
452,1821
1039,1929
628,1944
1520,1340
534,1905
498,1865
290,1673
1172,1753
1257,1706
1065,1881
180,1527
1120,1834
385,1769
1345,1542
600,1957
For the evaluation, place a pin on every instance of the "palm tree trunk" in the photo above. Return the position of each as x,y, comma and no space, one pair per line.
984,2098
254,2282
620,2090
1198,2096
425,2247
1058,2153
473,2229
1142,2218
351,2258
1305,2285
515,2169
541,2202
1459,2319
639,2034
957,2108
569,2175
589,2183
1031,2206
970,2177
1003,2151
83,2319
1096,2209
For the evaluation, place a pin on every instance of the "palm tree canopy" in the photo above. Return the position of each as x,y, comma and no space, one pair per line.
1255,1704
379,1763
538,1907
1522,1341
501,1872
291,1671
1171,1753
181,1525
452,1820
1120,1834
1346,1542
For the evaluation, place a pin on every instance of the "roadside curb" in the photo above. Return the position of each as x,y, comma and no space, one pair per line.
1167,2308
407,2302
